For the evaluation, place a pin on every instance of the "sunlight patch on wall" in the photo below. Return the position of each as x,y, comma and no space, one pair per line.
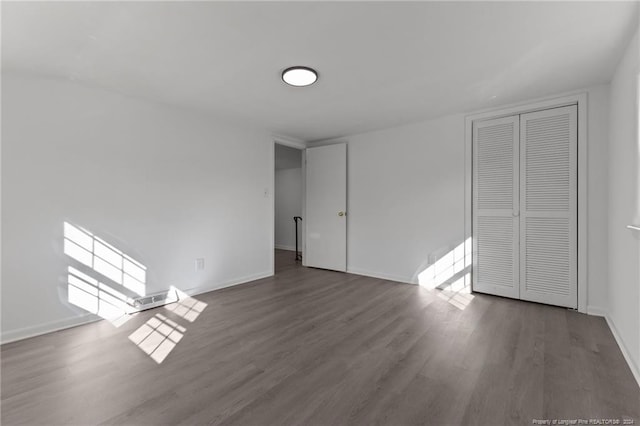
450,274
158,336
105,259
446,267
96,297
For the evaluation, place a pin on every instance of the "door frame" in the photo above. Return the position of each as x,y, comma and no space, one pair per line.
578,98
302,146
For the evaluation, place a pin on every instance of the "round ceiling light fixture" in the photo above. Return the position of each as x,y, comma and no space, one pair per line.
299,76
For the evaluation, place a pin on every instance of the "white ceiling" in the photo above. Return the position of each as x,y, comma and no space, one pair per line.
381,64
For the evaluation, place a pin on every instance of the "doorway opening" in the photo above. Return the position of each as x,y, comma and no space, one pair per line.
288,207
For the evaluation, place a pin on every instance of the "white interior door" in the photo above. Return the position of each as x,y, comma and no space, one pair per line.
495,206
326,207
548,196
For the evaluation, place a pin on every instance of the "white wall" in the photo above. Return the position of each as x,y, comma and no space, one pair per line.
406,197
288,203
597,182
287,157
624,206
161,184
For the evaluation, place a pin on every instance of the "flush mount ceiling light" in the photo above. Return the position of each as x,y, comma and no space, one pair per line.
299,76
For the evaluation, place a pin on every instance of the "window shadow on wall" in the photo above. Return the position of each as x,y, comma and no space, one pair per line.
450,274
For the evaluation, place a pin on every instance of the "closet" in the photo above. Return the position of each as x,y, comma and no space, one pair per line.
524,208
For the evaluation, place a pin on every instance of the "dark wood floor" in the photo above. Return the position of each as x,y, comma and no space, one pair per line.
316,347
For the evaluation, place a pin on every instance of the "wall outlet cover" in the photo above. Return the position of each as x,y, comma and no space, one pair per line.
199,264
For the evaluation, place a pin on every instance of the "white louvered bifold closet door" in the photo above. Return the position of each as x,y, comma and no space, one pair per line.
548,200
495,206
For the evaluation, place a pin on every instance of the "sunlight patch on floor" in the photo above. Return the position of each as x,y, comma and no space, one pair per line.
158,336
458,293
186,307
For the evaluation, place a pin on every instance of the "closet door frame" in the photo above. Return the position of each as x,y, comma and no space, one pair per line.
579,99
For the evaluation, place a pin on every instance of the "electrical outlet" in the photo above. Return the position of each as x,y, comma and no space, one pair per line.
199,264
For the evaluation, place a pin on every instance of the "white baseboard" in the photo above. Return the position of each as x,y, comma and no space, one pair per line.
247,279
283,247
596,311
50,327
383,276
632,365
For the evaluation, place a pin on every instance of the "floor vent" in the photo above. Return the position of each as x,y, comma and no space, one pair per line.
153,300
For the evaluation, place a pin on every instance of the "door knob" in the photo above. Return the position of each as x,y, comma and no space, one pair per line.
342,214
